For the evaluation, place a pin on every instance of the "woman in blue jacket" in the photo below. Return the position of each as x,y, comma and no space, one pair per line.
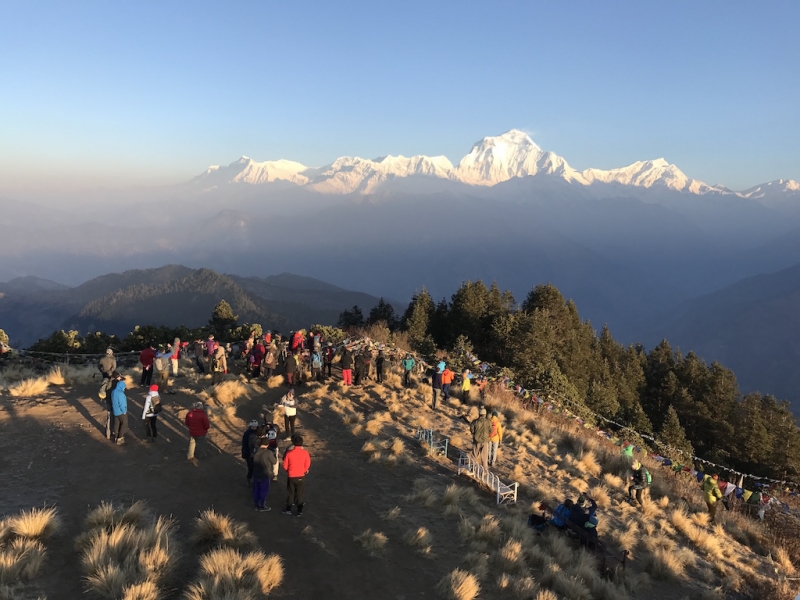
119,406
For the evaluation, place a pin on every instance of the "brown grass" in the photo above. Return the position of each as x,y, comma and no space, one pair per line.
28,388
459,585
373,542
226,573
391,514
377,421
419,538
229,392
35,524
220,531
511,557
21,560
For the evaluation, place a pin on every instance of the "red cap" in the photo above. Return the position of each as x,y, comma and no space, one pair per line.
154,388
715,476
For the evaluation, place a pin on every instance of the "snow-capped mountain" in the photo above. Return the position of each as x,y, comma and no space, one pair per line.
775,193
492,160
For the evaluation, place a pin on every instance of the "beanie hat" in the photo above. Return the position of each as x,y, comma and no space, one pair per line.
482,411
109,352
154,388
494,413
253,424
198,405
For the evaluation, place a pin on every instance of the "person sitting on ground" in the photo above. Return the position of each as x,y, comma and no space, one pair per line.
584,514
711,493
561,514
640,479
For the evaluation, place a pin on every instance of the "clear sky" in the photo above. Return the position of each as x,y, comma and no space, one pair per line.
119,93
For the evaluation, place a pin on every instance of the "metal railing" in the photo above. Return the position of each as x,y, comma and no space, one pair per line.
436,446
504,492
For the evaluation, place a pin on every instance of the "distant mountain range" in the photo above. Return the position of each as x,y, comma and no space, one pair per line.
633,246
31,308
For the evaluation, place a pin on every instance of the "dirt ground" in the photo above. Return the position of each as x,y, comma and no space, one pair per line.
53,451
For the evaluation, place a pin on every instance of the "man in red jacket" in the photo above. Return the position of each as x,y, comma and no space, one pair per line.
296,463
146,357
197,422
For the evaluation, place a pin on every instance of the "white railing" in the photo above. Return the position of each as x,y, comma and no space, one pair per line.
505,492
436,446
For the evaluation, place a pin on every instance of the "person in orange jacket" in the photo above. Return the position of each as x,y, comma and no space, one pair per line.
296,463
447,379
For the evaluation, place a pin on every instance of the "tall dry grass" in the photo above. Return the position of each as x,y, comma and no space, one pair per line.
29,388
459,585
229,392
373,542
226,573
215,530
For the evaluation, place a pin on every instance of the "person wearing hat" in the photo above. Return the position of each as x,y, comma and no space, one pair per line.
152,406
347,365
639,481
466,385
219,365
495,437
119,406
480,429
250,443
296,463
436,386
197,422
163,364
711,493
112,384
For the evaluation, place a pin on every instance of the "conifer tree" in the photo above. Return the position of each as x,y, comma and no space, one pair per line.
383,311
351,319
673,435
222,321
417,319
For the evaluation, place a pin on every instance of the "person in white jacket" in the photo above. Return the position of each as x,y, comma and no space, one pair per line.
289,403
152,406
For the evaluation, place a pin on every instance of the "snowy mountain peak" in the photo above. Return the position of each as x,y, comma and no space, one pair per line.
650,173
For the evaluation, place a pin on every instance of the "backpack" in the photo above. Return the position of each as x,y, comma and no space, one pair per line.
648,479
316,361
157,407
160,364
214,362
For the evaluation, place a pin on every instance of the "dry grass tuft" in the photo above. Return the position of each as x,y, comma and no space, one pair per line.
601,496
511,557
28,388
588,464
352,418
35,524
704,540
665,561
613,482
391,514
489,531
220,531
56,377
21,560
546,595
229,392
419,538
478,564
397,446
377,421
459,585
227,574
372,541
524,588
781,556
570,587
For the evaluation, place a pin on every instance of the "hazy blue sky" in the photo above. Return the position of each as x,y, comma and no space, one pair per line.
152,92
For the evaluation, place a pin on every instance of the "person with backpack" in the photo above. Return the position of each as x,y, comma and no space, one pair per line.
270,360
146,358
119,405
296,463
249,444
495,437
264,463
114,380
219,365
271,433
316,364
152,406
480,429
562,513
347,366
197,422
211,345
408,366
289,404
330,354
640,481
711,493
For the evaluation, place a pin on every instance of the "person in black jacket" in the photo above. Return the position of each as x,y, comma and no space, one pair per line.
436,385
380,363
248,444
291,369
329,353
361,367
347,366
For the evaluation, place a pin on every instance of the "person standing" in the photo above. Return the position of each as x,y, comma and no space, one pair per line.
199,355
436,386
119,405
330,354
380,363
176,356
114,380
627,451
447,380
495,437
480,429
146,357
162,367
197,422
270,360
640,479
316,362
361,365
347,366
106,366
291,369
264,463
711,493
466,376
152,406
408,365
296,463
219,365
248,444
289,404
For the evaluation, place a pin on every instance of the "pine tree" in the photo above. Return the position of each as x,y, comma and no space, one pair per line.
351,319
222,321
383,311
673,435
417,320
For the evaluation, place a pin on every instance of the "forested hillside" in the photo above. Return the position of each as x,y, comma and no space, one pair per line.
546,346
